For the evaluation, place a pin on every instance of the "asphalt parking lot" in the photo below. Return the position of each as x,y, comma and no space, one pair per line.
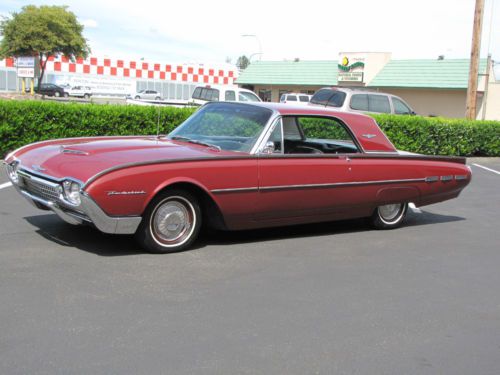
335,298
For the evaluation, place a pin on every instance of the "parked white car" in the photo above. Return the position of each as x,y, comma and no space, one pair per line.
295,98
145,95
205,94
79,91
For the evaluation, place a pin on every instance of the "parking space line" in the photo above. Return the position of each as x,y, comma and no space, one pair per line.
414,208
488,169
7,184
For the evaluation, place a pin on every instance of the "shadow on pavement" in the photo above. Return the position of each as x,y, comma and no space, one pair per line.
91,240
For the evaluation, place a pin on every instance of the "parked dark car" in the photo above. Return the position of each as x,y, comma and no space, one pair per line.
50,89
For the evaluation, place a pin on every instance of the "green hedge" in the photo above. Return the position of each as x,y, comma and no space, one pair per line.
442,136
23,122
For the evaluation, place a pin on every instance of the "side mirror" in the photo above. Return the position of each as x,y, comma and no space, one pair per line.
268,148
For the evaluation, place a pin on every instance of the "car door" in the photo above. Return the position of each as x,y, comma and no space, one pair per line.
305,178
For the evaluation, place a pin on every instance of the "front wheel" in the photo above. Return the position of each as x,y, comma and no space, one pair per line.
171,222
57,94
389,216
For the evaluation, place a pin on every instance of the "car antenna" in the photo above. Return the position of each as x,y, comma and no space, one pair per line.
158,124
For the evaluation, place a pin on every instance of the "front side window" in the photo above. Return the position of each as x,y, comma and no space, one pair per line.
400,108
247,97
291,98
316,135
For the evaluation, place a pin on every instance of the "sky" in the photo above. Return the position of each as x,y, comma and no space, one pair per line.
212,31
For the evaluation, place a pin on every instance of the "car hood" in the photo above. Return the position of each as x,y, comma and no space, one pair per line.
85,157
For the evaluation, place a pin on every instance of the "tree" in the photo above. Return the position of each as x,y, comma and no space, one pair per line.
242,62
43,31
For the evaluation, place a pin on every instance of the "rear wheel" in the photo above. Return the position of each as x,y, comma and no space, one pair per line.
157,98
57,94
171,222
86,96
389,216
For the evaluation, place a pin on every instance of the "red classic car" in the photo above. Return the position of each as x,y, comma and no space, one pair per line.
233,166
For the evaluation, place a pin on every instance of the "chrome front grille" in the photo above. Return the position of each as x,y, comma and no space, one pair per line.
40,188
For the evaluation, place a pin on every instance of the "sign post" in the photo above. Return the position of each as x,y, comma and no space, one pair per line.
27,68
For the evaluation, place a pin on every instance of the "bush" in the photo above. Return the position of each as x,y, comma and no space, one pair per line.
23,122
441,136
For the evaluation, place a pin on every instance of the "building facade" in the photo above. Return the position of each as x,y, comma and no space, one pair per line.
432,87
119,77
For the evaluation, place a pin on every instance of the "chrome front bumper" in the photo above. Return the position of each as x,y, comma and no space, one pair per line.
88,212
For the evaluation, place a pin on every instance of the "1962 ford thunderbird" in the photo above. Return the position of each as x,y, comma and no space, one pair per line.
233,166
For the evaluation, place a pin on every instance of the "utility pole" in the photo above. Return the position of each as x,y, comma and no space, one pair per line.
471,102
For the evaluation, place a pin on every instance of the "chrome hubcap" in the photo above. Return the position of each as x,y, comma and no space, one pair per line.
173,221
389,212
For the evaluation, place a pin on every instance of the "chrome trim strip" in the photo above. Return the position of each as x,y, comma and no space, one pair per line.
316,186
339,184
446,178
460,177
432,179
235,190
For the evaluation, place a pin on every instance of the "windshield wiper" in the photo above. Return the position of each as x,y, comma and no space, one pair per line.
194,141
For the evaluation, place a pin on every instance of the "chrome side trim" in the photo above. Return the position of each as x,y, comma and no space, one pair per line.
446,178
315,186
460,177
432,179
339,184
235,190
109,224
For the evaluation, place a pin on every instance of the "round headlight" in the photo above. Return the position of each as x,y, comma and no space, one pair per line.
72,192
12,170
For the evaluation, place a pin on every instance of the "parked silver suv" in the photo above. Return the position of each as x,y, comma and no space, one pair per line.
355,100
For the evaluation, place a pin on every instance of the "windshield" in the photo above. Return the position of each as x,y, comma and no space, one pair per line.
228,126
328,97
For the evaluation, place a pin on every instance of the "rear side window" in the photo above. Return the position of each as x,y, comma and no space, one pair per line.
205,93
359,102
291,98
303,98
379,103
370,103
